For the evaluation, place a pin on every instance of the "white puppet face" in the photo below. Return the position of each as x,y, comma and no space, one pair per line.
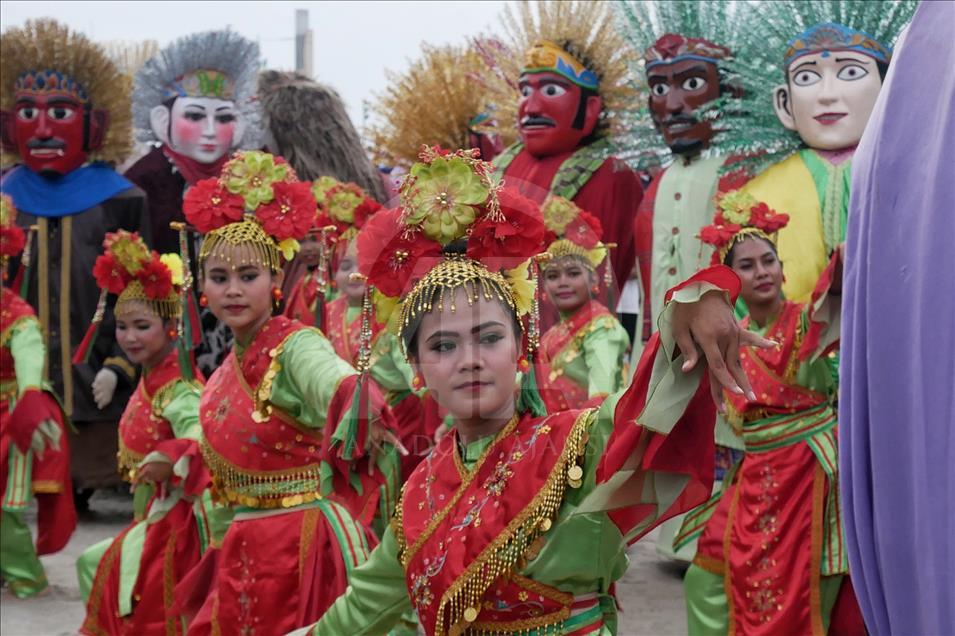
829,97
202,128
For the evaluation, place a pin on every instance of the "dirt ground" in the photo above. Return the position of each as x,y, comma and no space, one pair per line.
651,592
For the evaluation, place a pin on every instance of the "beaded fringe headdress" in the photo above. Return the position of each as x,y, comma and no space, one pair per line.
255,212
455,228
14,241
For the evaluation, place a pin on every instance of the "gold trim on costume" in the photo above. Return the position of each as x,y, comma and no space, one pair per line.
711,565
7,333
727,540
230,483
819,480
169,582
122,363
506,551
310,519
66,337
43,290
467,478
47,487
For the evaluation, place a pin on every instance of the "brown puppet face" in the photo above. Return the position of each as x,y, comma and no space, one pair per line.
683,75
677,91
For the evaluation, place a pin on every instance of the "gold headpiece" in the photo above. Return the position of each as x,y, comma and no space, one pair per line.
740,215
168,307
240,243
257,205
439,285
572,232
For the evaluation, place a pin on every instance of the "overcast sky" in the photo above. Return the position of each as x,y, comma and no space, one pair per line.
354,42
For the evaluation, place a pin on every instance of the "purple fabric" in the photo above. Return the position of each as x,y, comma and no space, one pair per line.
897,409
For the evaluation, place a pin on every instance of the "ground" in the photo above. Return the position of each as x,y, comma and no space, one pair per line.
651,592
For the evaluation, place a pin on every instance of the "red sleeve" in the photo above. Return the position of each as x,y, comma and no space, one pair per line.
811,340
612,195
198,478
34,407
689,447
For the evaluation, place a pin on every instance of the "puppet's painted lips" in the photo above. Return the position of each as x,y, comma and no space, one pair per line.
46,152
827,119
208,147
678,128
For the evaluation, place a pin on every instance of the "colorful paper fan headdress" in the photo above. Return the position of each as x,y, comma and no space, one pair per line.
664,33
739,215
574,38
777,33
219,64
45,56
140,278
410,115
256,211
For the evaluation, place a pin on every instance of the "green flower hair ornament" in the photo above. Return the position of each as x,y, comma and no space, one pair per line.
342,205
445,193
251,175
322,185
736,205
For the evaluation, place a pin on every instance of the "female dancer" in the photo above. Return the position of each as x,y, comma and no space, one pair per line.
343,209
771,556
582,356
34,456
265,411
518,522
135,571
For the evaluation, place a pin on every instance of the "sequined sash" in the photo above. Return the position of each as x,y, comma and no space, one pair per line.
461,532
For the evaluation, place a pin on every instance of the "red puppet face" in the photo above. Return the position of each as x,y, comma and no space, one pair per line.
48,131
552,115
51,125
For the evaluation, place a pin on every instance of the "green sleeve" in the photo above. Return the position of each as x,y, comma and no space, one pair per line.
182,410
389,367
376,597
604,351
28,350
309,374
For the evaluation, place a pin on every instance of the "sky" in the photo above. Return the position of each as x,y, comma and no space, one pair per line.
354,42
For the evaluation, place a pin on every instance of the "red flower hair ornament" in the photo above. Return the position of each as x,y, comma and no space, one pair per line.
738,215
258,187
450,208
